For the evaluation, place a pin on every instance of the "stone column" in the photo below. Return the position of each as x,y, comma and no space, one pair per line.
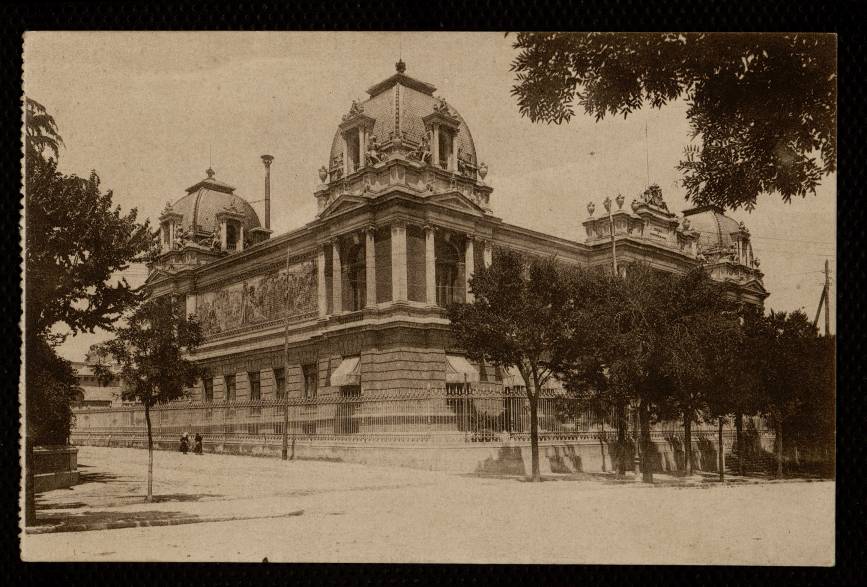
322,291
241,238
398,262
370,266
435,146
469,266
223,242
430,265
171,235
336,274
487,253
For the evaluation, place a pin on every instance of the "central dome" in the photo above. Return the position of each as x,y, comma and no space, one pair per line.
207,198
398,106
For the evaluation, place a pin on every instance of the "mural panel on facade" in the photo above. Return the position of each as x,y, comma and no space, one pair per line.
259,299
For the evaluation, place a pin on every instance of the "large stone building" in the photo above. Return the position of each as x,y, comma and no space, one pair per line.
356,296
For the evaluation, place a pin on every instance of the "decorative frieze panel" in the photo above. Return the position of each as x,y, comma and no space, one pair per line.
259,300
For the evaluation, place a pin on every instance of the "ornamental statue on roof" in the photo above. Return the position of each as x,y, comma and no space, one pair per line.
442,107
355,109
652,196
374,153
422,152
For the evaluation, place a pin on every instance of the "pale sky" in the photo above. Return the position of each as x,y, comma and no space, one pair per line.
145,109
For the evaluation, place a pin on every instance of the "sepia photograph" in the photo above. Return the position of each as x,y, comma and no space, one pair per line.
429,297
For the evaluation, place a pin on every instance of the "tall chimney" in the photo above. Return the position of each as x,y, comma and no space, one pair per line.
266,159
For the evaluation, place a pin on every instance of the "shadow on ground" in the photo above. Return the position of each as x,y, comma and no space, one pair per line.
104,519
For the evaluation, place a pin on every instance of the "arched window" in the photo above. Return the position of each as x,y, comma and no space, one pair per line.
447,272
231,236
356,278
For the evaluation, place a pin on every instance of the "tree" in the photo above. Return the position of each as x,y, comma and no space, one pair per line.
701,328
74,242
151,351
517,319
787,369
51,387
764,106
631,324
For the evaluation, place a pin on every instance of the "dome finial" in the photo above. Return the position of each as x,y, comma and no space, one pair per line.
400,66
210,172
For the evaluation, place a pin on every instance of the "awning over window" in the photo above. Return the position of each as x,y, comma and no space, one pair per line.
459,370
512,377
347,373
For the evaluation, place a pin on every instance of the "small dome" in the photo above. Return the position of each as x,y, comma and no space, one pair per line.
714,227
398,105
206,199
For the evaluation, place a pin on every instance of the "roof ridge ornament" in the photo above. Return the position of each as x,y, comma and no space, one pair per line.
652,196
356,109
400,66
210,172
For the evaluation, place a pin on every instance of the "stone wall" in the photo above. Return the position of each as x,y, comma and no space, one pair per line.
54,467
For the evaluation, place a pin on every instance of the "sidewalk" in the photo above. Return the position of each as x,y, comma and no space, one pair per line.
192,489
232,508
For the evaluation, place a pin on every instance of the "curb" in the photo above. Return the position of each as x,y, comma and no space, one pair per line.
149,523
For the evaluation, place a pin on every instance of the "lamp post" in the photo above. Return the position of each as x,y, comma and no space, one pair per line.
607,203
284,453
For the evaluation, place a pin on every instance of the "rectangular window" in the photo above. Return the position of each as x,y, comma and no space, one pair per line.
255,386
311,380
208,388
230,387
280,382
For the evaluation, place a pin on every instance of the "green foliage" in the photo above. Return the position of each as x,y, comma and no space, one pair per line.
764,106
51,385
518,317
151,350
76,240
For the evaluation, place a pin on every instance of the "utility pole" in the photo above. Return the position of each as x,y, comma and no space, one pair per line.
824,299
285,451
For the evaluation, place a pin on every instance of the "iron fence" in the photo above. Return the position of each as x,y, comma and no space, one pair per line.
444,415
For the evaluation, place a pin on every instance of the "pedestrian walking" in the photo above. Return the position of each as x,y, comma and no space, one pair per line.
197,446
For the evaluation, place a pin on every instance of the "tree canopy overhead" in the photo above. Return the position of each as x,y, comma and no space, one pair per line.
762,107
77,239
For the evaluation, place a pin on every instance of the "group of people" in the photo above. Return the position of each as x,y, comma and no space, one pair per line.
185,444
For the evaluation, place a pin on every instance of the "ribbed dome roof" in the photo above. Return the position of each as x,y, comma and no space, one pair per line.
714,227
398,105
206,199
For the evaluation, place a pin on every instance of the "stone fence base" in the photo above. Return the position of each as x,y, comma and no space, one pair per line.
54,467
505,456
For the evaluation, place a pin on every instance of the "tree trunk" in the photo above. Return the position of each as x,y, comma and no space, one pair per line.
739,426
778,431
644,421
602,442
534,435
687,441
150,496
621,440
721,464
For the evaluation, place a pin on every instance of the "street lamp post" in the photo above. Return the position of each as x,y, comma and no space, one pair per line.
607,204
